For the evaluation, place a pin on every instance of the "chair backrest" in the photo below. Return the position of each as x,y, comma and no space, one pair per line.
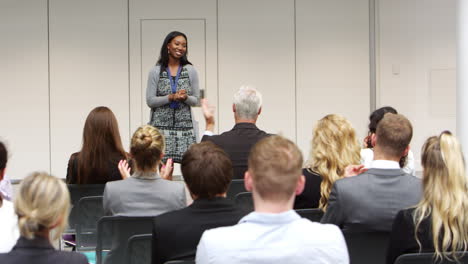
236,186
313,214
367,247
245,201
88,211
78,191
139,249
180,262
113,233
428,258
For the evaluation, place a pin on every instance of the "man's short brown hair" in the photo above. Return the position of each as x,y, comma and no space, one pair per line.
207,170
394,133
275,164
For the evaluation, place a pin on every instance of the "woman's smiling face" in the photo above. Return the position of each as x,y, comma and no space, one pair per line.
177,47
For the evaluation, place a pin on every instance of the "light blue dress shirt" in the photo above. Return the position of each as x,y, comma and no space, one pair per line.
273,238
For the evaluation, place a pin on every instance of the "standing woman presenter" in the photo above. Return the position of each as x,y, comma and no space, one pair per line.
171,92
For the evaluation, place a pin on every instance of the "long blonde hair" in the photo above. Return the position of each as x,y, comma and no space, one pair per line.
445,195
334,146
42,203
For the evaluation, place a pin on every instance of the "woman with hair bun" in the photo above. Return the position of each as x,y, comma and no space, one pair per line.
439,222
42,206
334,148
146,192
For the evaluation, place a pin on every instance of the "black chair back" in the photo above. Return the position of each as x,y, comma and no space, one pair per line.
428,258
236,186
245,201
88,212
367,247
113,233
139,249
313,214
78,191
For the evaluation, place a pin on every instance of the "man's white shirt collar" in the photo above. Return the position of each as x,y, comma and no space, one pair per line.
384,164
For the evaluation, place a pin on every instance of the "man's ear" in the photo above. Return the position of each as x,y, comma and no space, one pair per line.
300,185
405,152
2,174
248,183
259,110
373,139
233,108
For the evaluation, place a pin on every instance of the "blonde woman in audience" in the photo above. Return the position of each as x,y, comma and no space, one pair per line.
42,206
334,147
439,222
146,192
8,219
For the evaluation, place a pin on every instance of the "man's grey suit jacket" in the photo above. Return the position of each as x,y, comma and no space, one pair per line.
370,201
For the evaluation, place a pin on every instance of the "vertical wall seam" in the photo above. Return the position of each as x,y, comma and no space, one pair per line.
295,75
217,63
372,57
128,72
48,86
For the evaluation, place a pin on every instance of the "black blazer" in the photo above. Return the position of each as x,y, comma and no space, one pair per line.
237,144
310,197
402,239
40,251
176,234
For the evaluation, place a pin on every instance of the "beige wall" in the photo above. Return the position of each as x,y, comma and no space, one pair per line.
61,58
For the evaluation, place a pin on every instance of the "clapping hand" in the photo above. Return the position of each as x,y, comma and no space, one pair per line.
353,170
166,170
124,169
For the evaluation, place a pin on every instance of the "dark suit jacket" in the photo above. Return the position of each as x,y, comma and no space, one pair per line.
402,240
237,144
370,201
310,197
176,234
40,251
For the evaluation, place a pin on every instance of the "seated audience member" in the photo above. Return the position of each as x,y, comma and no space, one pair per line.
207,171
439,222
42,205
370,201
101,152
334,147
146,192
8,219
367,153
239,140
273,233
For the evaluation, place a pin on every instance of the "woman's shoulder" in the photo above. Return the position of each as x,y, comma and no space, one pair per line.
156,69
308,172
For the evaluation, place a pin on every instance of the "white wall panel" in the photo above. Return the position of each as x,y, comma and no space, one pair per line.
88,68
417,64
24,89
256,47
332,64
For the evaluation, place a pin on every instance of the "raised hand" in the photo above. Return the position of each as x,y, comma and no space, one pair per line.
124,169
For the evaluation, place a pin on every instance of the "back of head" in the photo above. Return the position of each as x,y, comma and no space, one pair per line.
394,133
377,115
146,147
247,102
334,146
42,204
445,193
207,170
275,164
101,142
3,163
